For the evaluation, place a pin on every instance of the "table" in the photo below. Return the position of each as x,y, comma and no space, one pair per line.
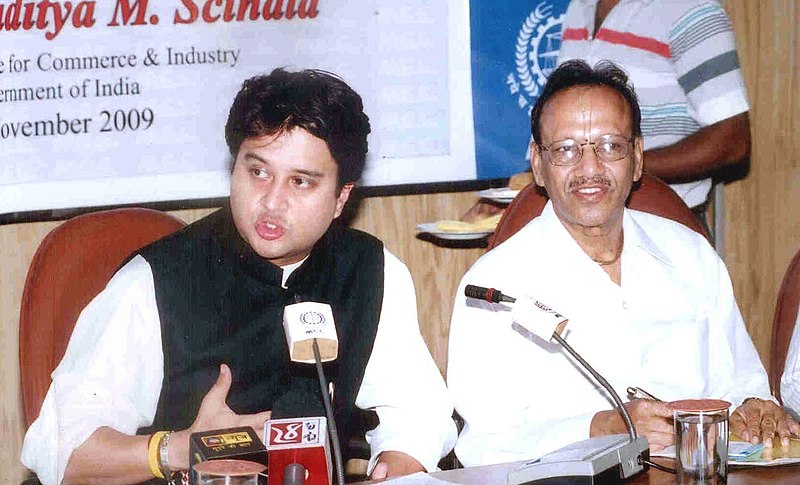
496,474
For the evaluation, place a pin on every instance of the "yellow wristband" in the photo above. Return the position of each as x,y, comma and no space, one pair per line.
152,454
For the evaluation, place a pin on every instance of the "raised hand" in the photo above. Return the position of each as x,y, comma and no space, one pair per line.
214,413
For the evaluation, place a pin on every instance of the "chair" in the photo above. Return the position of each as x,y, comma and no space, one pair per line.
783,323
651,195
71,266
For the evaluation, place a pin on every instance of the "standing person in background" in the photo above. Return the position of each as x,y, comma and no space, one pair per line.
680,56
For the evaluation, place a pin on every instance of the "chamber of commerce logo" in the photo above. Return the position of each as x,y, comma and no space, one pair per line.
535,55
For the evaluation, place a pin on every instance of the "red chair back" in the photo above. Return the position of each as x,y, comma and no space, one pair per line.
72,265
783,323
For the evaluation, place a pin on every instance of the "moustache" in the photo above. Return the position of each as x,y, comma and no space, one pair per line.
595,180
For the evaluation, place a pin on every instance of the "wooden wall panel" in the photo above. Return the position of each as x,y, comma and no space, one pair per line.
436,270
762,229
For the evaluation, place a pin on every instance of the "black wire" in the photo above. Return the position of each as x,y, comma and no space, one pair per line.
326,400
660,467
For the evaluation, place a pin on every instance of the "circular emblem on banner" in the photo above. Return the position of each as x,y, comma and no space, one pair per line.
536,54
312,318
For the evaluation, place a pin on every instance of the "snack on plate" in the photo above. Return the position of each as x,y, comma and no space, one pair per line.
482,225
520,180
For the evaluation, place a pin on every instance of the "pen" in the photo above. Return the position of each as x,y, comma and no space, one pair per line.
639,393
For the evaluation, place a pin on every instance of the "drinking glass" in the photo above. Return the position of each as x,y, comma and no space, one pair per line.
227,472
701,440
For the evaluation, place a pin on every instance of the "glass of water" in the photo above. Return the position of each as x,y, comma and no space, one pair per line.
701,440
227,472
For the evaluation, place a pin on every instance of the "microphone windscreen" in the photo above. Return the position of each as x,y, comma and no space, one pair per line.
481,293
303,322
537,318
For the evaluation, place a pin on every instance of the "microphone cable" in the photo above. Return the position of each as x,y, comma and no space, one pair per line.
657,466
326,400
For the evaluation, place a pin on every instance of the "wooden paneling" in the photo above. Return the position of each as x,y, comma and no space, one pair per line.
436,270
762,230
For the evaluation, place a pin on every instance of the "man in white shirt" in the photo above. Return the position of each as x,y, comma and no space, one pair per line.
790,379
649,302
187,336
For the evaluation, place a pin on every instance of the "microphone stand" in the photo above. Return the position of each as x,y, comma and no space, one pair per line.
603,382
326,400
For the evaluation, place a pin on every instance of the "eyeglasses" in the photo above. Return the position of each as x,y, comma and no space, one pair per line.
607,148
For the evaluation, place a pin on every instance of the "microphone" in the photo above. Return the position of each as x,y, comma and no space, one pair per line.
488,294
311,337
306,322
588,458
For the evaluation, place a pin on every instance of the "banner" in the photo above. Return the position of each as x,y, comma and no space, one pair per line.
514,48
125,101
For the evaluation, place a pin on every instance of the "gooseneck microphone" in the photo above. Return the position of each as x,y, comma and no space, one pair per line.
495,296
547,324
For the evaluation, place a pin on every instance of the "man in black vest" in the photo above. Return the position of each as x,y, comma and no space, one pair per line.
187,336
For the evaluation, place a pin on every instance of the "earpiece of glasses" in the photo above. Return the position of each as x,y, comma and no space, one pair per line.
607,148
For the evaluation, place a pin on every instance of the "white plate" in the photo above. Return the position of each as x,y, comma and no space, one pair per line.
430,227
502,194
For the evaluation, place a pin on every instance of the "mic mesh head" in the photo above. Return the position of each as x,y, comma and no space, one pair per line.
481,293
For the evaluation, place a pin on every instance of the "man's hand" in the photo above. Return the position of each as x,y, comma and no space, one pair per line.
395,464
759,420
214,413
652,419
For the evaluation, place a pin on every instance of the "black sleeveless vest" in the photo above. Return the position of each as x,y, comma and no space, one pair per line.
220,302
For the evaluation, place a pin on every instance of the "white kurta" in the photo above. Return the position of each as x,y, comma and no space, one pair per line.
112,372
672,327
790,380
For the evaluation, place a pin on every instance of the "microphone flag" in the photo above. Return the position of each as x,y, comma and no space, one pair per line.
299,440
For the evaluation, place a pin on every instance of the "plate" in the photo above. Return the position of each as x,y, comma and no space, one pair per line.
502,194
431,228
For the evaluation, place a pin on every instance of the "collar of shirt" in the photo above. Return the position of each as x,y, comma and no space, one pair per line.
635,236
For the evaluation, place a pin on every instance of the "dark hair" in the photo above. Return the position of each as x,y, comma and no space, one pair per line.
578,73
317,101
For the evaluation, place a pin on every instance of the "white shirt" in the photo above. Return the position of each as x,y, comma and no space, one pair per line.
790,380
112,372
680,56
672,327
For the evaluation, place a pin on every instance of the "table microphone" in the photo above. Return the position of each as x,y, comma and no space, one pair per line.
311,337
603,458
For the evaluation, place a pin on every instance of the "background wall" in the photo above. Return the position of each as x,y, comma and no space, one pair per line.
762,212
762,216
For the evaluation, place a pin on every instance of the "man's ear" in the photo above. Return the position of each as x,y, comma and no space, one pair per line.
536,164
638,158
341,199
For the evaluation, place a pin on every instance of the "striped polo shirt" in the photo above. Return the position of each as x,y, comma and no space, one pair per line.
681,58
